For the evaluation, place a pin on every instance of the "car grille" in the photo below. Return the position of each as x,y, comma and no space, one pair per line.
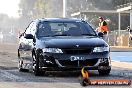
78,63
77,51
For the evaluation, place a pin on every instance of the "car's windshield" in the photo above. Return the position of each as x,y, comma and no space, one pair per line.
50,29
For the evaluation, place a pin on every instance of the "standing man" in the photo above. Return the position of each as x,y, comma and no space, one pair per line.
103,28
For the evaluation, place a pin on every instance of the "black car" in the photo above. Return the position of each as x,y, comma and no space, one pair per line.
62,44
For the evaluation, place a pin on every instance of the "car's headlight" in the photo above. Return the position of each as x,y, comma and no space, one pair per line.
100,49
52,50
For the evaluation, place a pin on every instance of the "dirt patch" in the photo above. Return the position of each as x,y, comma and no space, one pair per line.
8,47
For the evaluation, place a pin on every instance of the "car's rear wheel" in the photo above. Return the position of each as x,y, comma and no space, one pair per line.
104,72
20,64
36,65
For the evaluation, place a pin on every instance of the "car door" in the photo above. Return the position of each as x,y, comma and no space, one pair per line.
26,45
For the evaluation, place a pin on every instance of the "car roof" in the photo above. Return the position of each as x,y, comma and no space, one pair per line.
59,19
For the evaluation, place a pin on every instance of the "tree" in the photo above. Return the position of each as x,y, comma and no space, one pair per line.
40,10
32,9
25,12
120,2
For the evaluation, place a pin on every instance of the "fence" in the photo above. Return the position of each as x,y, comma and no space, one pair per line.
119,39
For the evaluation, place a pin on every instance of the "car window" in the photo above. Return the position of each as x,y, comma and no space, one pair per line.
44,29
28,29
33,28
87,28
64,28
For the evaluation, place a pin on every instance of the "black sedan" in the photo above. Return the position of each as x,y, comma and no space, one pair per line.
58,44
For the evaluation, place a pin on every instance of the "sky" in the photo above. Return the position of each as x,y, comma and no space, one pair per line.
9,7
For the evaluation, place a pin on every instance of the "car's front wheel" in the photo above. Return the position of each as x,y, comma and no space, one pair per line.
104,72
36,65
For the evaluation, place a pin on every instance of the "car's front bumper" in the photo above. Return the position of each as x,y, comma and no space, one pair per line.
65,62
75,68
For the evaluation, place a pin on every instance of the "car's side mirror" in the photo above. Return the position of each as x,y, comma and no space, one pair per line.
28,36
100,34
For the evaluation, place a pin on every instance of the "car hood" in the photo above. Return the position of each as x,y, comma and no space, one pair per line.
71,42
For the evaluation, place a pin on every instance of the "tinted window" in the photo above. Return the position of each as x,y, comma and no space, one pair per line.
47,29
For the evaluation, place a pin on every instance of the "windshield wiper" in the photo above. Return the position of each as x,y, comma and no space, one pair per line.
89,34
45,36
61,35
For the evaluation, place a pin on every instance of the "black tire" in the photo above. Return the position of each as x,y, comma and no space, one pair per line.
36,65
104,72
20,64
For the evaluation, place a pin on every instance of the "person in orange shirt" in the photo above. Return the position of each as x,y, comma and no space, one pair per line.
102,26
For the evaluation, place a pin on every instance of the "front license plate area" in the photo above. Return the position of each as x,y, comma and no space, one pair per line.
74,58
